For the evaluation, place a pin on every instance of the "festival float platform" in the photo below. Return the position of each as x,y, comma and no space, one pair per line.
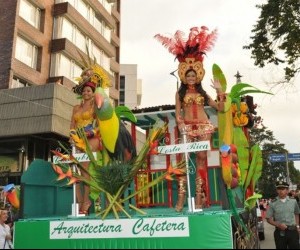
45,208
160,228
45,221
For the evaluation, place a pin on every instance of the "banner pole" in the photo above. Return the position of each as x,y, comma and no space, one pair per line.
287,168
75,206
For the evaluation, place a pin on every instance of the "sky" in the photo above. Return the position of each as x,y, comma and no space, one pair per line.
234,20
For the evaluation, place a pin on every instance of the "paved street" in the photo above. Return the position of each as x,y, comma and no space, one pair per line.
268,243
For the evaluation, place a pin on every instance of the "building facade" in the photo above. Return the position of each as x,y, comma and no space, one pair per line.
47,42
130,86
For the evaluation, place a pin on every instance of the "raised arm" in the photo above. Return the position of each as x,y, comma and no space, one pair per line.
221,96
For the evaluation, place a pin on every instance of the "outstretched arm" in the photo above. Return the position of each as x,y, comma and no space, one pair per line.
217,85
221,96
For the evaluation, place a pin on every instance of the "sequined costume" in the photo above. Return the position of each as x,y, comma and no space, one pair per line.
199,129
191,99
85,120
196,128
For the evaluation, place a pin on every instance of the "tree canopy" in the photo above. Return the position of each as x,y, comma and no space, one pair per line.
271,171
276,36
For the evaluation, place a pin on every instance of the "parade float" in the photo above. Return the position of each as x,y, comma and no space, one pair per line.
136,197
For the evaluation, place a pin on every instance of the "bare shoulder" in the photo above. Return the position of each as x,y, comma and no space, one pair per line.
76,107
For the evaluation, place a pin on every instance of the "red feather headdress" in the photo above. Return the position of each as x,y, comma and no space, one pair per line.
190,51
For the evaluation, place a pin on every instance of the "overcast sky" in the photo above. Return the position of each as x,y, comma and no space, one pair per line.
234,20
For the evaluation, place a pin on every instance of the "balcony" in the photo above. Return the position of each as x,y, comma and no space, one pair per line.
36,110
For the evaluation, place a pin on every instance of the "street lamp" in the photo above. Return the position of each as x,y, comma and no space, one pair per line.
21,158
173,74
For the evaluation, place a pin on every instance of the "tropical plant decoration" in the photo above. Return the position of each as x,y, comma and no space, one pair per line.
230,124
112,178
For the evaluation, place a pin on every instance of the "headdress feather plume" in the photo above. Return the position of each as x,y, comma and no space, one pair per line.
92,73
198,43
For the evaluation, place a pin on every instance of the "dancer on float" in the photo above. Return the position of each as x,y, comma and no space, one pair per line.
84,117
191,99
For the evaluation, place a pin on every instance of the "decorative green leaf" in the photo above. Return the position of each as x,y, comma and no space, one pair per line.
255,167
239,90
251,201
218,74
123,111
258,170
113,176
248,91
234,92
235,212
242,144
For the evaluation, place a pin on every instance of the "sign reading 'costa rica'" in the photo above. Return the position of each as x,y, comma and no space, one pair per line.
186,147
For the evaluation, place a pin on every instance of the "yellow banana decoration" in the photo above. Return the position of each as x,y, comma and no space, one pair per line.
243,107
243,120
234,108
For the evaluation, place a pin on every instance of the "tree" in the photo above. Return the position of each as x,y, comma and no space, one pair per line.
276,38
271,171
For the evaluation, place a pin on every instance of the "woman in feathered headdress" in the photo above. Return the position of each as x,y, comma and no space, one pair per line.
191,99
84,117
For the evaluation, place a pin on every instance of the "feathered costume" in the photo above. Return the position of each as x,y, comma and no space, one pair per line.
115,137
190,54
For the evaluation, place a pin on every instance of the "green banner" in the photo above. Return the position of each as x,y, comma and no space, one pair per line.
208,231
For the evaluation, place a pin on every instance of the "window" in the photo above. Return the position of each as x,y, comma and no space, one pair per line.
19,83
82,9
106,5
76,70
89,14
65,29
101,27
106,33
105,62
122,83
97,24
101,58
26,52
64,66
122,97
30,13
80,41
80,6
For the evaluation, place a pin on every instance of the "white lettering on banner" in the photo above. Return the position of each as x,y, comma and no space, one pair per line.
124,228
186,147
81,157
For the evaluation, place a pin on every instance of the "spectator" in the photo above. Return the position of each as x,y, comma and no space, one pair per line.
5,234
262,208
283,213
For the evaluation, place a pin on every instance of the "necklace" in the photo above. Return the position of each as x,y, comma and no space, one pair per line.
191,87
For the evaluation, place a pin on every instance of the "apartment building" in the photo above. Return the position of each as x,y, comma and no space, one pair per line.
40,46
130,86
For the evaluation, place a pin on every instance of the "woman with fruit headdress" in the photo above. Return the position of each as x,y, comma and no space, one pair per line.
84,117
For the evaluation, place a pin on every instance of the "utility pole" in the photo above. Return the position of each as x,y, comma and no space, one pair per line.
177,81
287,168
